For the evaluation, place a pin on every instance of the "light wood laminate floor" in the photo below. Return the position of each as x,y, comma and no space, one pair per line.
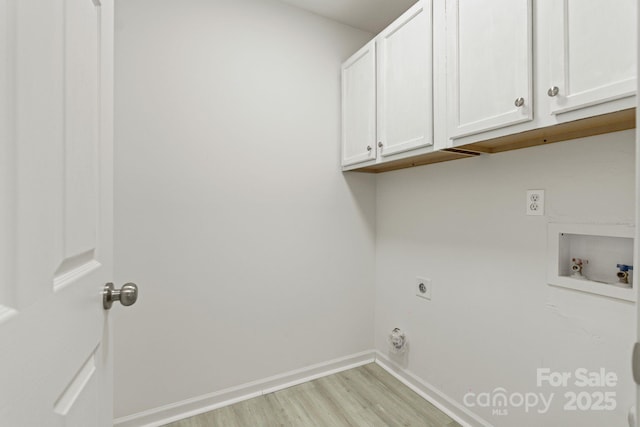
363,396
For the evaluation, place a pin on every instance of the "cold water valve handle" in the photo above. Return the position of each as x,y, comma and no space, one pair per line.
623,273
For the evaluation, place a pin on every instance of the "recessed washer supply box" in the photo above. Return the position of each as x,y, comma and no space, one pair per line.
594,250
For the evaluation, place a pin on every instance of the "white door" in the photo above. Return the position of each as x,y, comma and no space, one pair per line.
359,106
590,66
489,65
405,108
55,212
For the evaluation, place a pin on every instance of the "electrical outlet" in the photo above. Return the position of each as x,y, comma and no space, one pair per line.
423,288
535,202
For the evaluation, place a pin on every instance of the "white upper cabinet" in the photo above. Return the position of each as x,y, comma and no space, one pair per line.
489,65
359,106
592,52
460,77
387,93
405,107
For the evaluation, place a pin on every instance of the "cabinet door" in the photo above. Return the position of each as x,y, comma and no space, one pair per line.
592,52
489,62
405,112
359,106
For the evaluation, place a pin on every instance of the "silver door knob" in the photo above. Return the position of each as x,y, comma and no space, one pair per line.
519,102
369,148
553,91
380,144
128,295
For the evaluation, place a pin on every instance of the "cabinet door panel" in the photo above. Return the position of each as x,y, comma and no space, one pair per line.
489,55
359,106
405,112
593,52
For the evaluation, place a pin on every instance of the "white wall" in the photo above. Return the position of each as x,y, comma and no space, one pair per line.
255,255
253,252
493,319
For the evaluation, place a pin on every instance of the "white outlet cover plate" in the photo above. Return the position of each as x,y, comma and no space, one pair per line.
427,282
535,202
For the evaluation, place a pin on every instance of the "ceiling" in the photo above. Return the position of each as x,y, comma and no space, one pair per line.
368,15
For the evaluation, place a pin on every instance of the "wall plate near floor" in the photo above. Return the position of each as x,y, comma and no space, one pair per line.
423,288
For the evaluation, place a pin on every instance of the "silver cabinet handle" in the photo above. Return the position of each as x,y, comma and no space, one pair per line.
519,102
128,295
369,148
380,144
553,91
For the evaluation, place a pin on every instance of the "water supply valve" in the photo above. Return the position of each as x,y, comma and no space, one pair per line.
623,273
576,267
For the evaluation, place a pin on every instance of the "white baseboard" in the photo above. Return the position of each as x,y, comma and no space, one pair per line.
198,405
431,394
